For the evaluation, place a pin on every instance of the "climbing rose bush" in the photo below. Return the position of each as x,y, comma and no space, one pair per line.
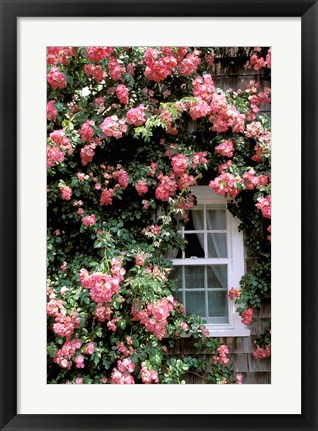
130,132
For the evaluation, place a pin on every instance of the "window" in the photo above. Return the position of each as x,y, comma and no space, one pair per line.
212,263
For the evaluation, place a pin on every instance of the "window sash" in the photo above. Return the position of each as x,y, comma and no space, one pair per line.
208,291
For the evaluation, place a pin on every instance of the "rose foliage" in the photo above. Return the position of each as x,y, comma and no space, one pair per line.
130,131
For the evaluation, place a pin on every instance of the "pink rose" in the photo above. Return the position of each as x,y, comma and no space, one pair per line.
89,220
66,193
136,116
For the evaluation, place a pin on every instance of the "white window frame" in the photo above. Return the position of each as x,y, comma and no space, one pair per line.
235,261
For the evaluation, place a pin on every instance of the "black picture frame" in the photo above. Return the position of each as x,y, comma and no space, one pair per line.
10,11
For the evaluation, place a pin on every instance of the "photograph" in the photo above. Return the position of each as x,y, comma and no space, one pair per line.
158,214
167,232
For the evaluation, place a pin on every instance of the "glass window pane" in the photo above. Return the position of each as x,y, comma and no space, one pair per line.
218,305
215,219
194,277
189,224
217,245
195,220
195,245
179,254
195,303
176,274
217,276
179,296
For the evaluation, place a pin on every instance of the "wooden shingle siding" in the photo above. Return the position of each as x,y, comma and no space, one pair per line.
254,371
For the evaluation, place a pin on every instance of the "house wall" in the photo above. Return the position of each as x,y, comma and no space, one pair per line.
254,371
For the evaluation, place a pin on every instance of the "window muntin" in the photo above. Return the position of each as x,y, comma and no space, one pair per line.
202,269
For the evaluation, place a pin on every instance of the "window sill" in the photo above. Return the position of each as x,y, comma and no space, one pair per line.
234,332
224,333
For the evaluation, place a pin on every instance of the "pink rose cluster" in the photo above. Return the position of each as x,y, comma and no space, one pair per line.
98,53
115,68
257,98
65,354
167,188
234,293
252,181
123,349
58,137
122,180
141,187
199,109
167,118
97,72
199,159
60,145
254,130
161,64
122,375
59,54
264,204
213,105
55,155
100,103
263,147
152,169
239,379
247,316
55,307
185,181
103,312
158,65
257,63
111,325
225,148
155,272
203,88
226,184
262,353
64,326
66,193
224,116
87,153
90,348
87,131
107,197
89,220
136,116
155,316
140,259
186,203
184,326
122,94
56,78
112,126
151,231
122,177
126,365
79,361
148,376
190,63
222,358
51,111
103,286
179,164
